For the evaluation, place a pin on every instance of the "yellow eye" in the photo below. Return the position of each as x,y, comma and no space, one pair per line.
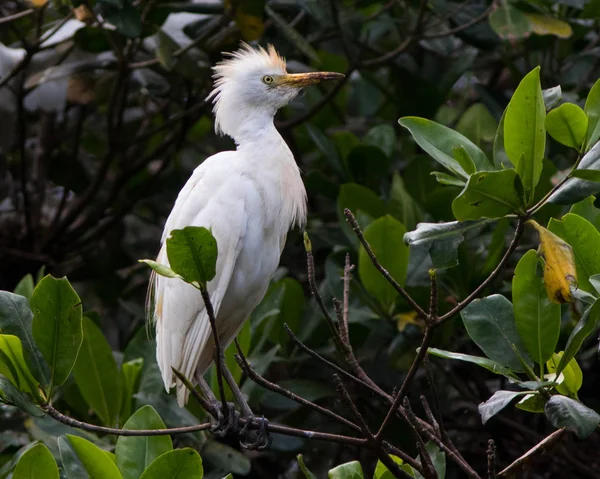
268,79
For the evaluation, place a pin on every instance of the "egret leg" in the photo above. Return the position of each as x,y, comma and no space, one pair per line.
253,439
225,421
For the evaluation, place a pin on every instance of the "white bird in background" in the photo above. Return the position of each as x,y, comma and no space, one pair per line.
249,198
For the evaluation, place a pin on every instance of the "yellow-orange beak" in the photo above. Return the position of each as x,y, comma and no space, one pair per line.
300,80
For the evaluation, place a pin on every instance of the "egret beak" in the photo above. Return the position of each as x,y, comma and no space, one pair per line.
300,80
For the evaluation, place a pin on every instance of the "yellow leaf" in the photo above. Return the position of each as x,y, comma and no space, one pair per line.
404,319
249,18
559,272
38,3
83,13
570,379
542,25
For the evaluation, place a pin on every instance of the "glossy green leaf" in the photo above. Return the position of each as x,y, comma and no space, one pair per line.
464,160
16,318
96,374
24,287
13,366
9,394
382,472
495,404
572,379
567,124
486,363
489,194
135,453
350,470
552,96
57,326
71,465
577,189
586,209
510,23
490,323
177,464
192,253
439,142
562,411
524,130
385,237
130,372
536,317
96,462
592,110
501,160
586,326
305,470
584,239
446,179
441,240
589,175
36,462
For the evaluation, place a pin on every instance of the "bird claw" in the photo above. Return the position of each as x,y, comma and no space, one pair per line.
224,424
258,439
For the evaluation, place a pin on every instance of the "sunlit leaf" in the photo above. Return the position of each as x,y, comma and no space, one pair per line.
545,25
567,124
36,462
96,462
572,375
592,110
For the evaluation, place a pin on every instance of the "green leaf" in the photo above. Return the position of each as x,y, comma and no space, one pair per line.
592,110
305,470
495,404
547,25
486,363
524,131
382,472
161,269
12,364
586,209
572,379
292,35
96,374
439,142
126,19
584,239
382,136
567,124
464,160
491,325
562,411
135,453
24,287
509,23
401,205
536,317
71,465
552,96
57,326
576,189
533,402
16,318
350,470
586,326
36,462
357,198
501,160
489,194
477,124
96,462
441,240
177,464
9,394
385,237
589,175
438,458
446,179
192,253
130,372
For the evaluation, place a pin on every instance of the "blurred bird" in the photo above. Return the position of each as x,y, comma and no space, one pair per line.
249,198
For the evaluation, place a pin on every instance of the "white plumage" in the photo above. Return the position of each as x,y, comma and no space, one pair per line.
249,198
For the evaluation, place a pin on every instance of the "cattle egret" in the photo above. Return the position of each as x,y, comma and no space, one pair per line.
249,198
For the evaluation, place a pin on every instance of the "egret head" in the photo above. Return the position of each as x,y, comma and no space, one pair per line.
252,85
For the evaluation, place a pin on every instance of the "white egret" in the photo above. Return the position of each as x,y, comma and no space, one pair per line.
249,198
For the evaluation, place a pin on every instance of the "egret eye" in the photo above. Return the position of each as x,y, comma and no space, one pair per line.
267,79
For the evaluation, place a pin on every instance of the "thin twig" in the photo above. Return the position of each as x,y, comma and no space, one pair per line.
463,26
511,248
384,272
16,16
428,469
491,459
218,349
541,446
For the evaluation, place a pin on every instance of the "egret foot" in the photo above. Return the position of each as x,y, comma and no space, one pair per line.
255,439
226,421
